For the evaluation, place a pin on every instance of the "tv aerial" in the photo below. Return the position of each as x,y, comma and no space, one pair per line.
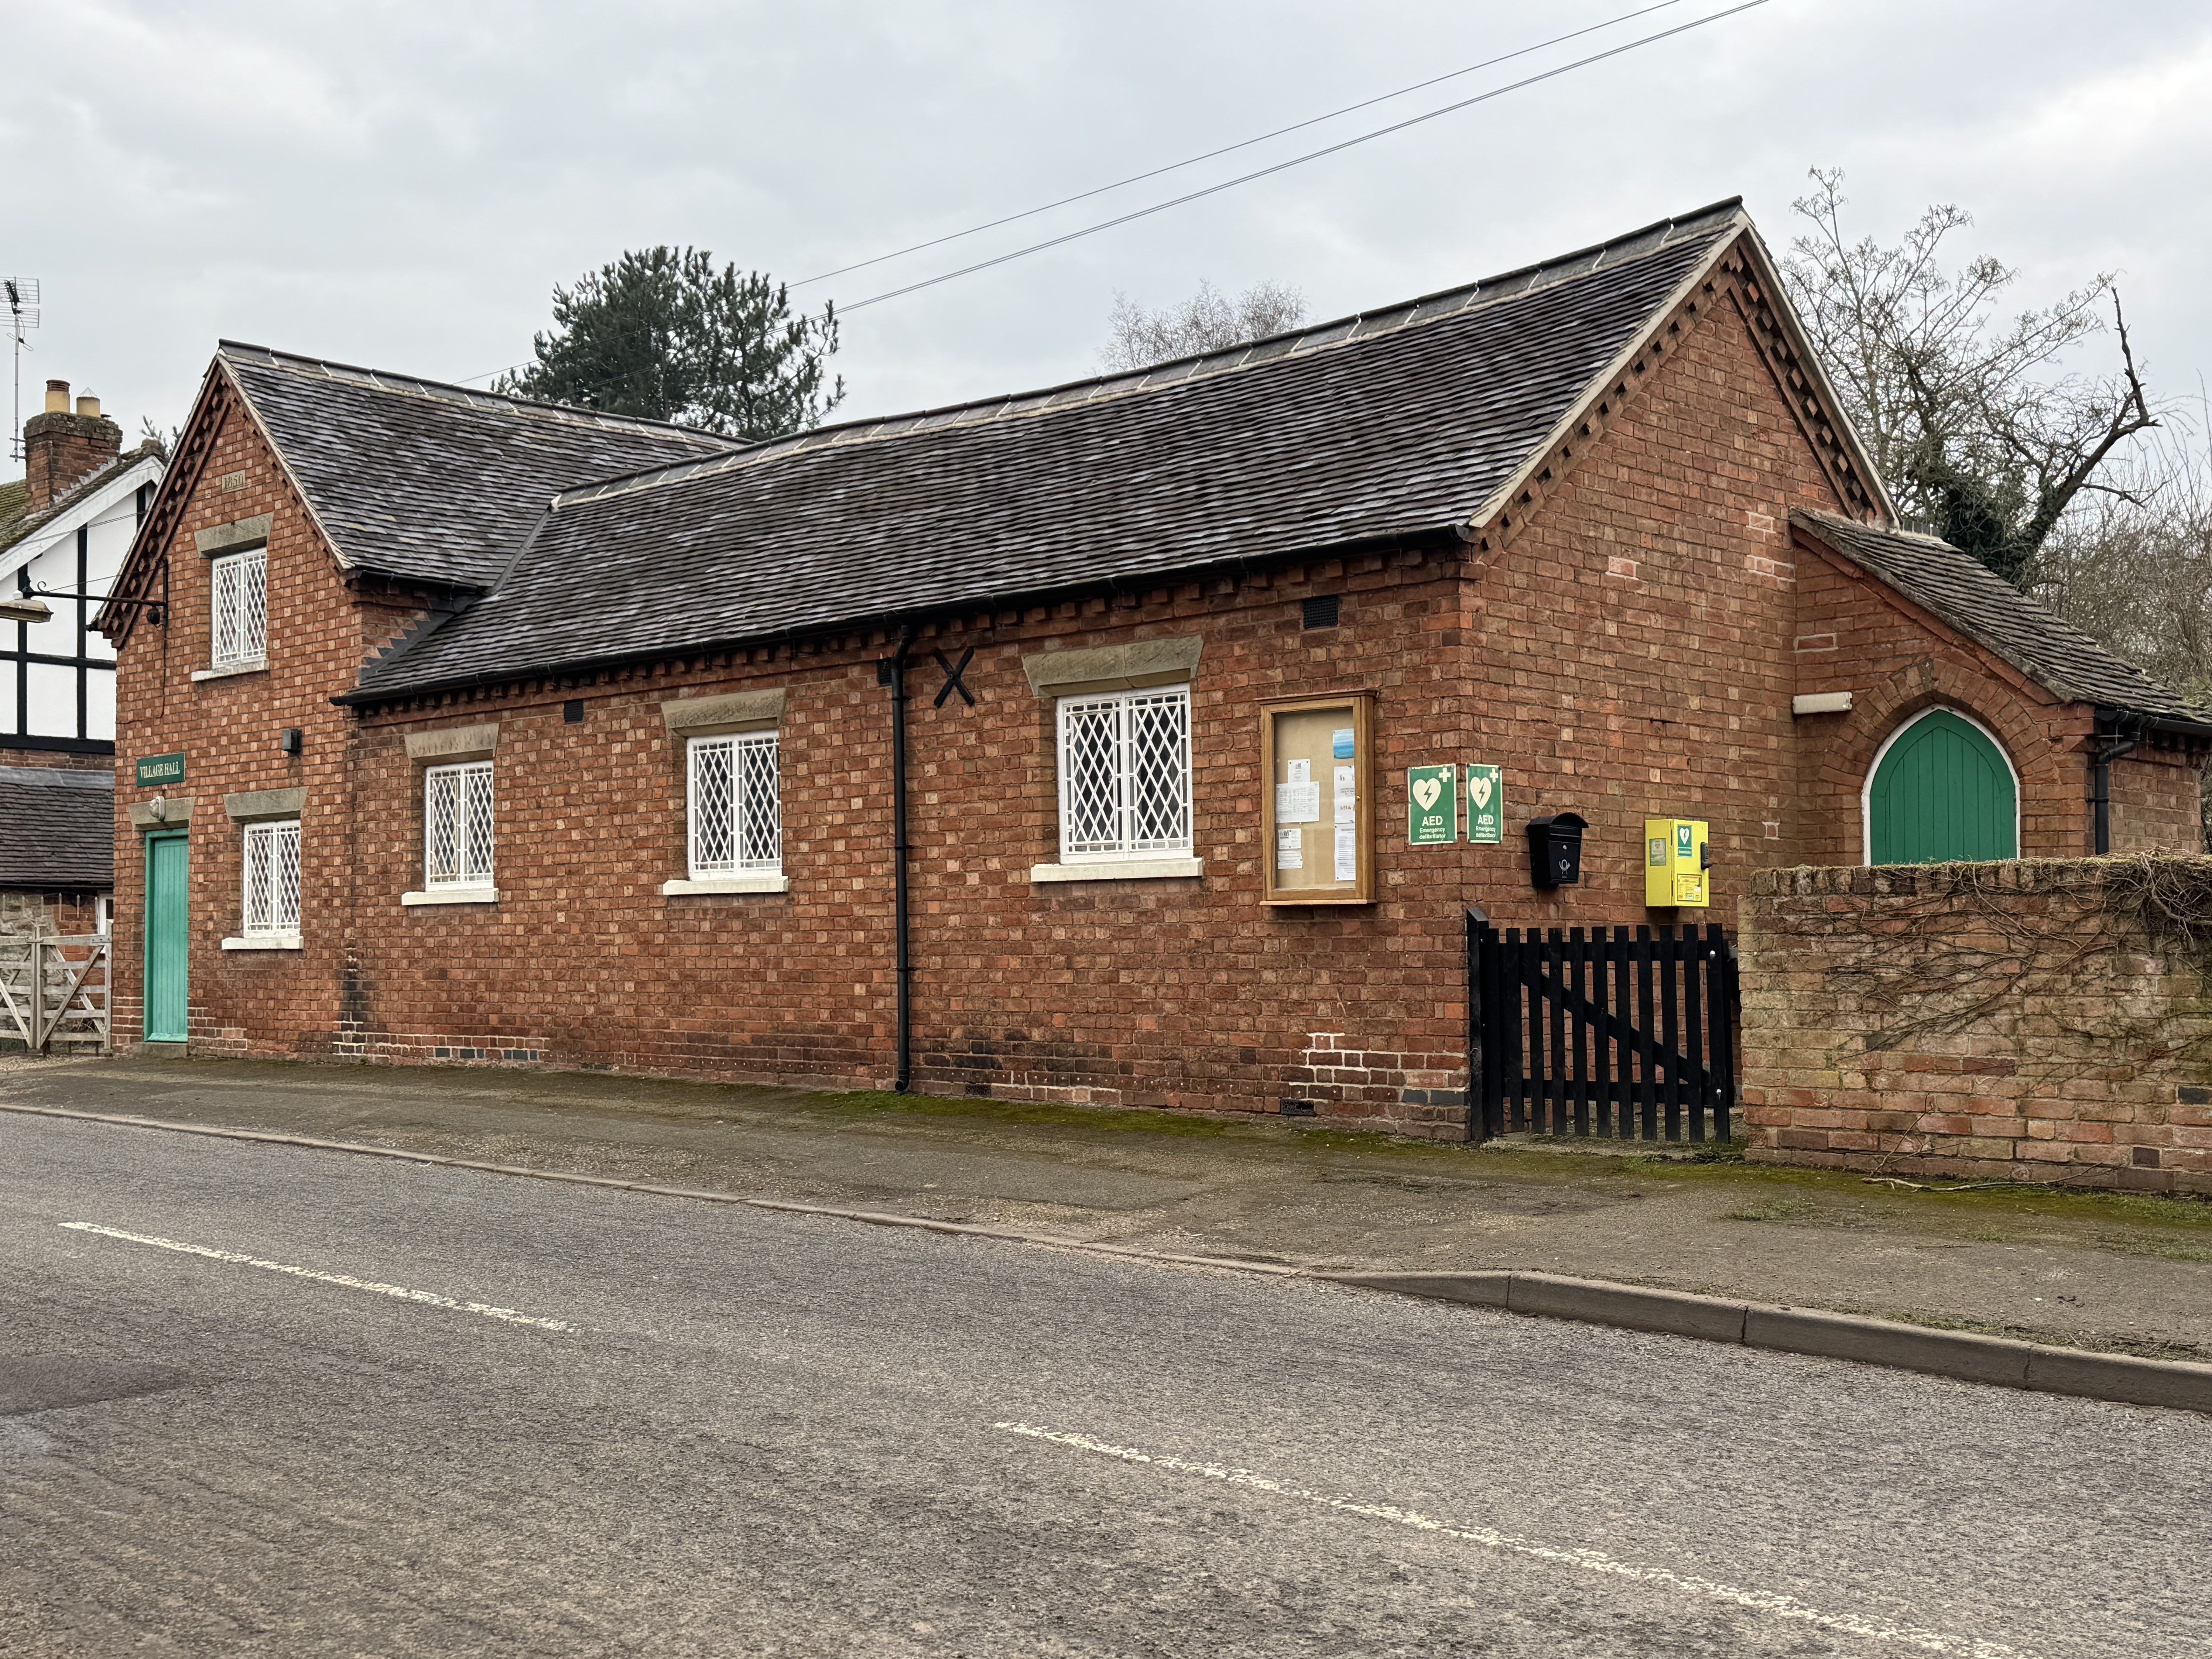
21,294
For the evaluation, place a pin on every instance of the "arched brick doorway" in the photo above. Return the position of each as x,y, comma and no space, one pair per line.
1942,789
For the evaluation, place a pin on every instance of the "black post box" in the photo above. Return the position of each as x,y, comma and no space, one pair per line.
1555,849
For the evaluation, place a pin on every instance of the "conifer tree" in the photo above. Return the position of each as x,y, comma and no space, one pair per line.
662,334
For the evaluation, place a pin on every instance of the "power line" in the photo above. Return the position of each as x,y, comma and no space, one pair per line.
1298,160
1263,173
1190,162
1243,143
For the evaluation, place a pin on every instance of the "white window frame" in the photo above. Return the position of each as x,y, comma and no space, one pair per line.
473,779
267,841
753,856
237,609
1128,847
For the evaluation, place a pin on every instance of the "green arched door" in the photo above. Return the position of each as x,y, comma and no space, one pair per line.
1942,792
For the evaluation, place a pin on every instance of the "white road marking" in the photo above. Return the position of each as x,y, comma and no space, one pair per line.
428,1298
1596,1561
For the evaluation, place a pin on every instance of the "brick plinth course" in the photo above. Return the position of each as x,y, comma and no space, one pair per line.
2030,1021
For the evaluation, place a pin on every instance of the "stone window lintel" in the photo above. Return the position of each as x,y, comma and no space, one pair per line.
235,537
734,711
258,805
453,744
1170,659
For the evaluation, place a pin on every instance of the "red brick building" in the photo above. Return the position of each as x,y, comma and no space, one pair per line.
503,732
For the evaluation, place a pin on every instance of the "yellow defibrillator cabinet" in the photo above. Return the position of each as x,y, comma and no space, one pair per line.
1676,863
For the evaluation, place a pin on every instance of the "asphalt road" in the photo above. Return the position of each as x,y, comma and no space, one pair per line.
373,1408
2098,1271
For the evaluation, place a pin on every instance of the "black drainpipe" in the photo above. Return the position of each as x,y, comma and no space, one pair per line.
2100,785
891,671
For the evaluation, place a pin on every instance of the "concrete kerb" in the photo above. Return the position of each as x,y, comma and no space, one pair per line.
1964,1355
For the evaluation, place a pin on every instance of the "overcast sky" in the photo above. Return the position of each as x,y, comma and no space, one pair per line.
400,184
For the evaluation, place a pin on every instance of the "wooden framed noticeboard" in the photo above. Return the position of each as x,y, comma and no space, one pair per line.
1317,799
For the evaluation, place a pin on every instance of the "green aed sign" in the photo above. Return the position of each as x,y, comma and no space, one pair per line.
1431,805
1485,804
162,768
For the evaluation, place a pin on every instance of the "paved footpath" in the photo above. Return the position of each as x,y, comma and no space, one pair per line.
265,1401
2100,1271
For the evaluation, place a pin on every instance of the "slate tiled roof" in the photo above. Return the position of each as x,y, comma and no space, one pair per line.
56,829
1393,423
15,522
15,501
1962,590
416,479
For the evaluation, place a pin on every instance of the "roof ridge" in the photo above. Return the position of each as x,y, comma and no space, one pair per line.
1901,532
1383,448
447,392
1362,325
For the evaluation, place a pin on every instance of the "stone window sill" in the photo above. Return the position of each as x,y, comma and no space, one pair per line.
199,674
453,895
1119,870
264,942
756,881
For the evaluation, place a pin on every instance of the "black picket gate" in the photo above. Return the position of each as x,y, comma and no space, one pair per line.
1599,1033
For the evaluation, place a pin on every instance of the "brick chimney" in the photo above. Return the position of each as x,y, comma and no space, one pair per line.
60,447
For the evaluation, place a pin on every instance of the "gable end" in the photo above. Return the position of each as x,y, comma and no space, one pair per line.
146,565
1737,274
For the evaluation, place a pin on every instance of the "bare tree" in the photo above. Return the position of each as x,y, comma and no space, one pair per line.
1974,422
2134,567
1138,338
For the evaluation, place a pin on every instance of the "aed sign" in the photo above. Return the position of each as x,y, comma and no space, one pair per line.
162,768
1676,861
1485,804
1431,805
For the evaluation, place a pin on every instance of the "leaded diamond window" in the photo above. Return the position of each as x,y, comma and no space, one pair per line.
272,877
1125,773
237,609
457,825
736,823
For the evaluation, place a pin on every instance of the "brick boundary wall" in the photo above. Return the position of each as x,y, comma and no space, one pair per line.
26,914
2045,1020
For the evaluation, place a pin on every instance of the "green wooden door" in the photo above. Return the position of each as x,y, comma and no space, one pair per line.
1942,792
166,938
